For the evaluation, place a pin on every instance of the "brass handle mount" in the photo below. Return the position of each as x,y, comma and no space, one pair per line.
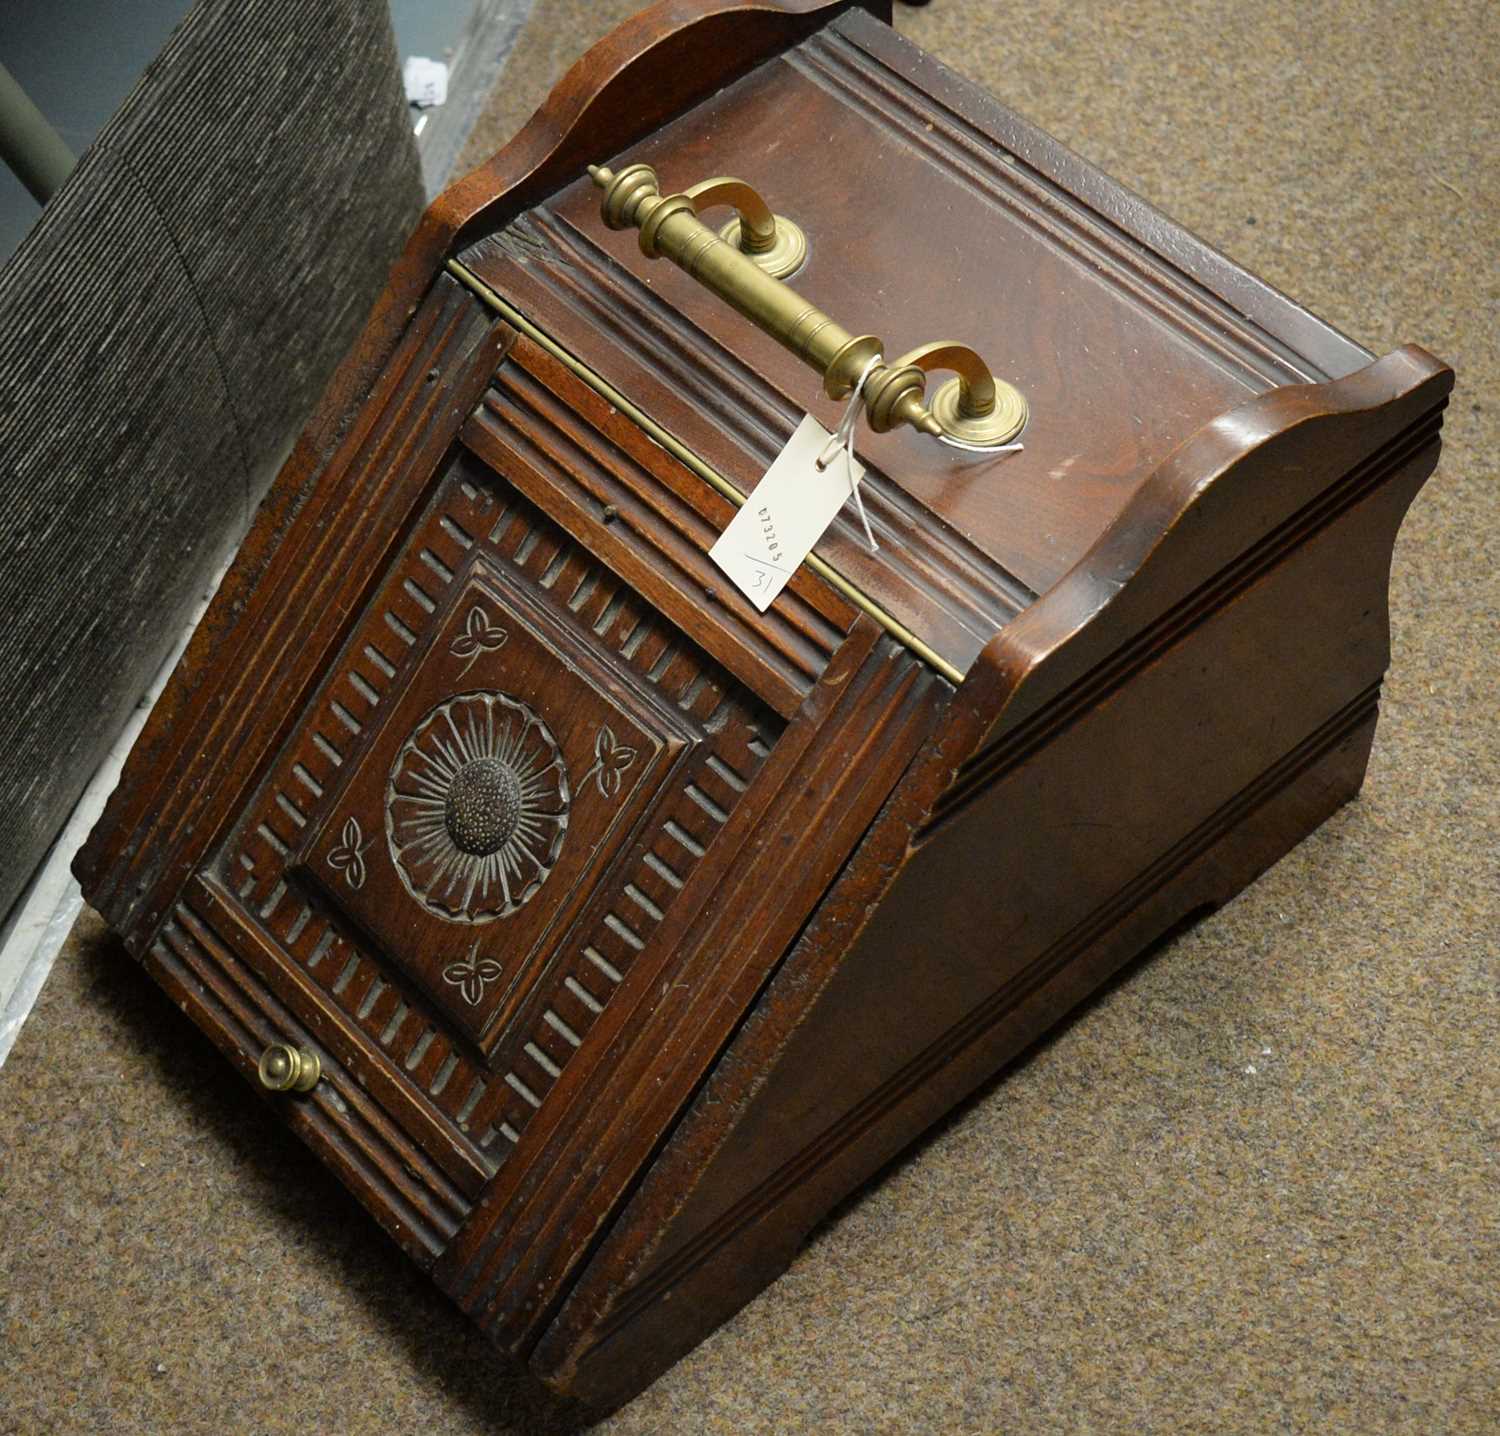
284,1068
974,408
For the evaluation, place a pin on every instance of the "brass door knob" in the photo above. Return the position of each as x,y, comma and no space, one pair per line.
284,1068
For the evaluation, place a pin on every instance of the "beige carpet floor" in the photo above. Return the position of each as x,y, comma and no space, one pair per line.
1252,1188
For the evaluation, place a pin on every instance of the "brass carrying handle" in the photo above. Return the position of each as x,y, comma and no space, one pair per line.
974,408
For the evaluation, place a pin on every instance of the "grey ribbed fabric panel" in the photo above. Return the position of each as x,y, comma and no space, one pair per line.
164,332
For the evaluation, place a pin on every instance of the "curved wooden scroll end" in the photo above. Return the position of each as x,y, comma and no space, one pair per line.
1247,489
649,69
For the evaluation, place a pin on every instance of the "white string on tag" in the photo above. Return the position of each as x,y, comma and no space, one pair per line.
843,440
979,448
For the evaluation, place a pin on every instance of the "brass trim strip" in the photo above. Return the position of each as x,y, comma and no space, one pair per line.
685,456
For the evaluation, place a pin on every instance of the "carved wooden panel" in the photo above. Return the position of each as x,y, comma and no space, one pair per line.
488,797
654,521
468,945
409,1188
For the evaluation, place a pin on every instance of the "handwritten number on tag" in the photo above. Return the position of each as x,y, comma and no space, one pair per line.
784,517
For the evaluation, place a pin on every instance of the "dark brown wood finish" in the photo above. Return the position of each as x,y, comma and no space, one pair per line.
737,918
633,928
1174,754
282,610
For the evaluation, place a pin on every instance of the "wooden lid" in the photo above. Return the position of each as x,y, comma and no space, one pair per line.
932,212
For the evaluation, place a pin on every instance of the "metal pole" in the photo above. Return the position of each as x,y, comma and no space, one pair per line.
28,144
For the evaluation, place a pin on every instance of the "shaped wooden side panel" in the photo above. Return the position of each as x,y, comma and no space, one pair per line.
1224,509
1192,700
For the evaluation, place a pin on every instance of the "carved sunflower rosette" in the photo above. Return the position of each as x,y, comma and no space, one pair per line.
477,807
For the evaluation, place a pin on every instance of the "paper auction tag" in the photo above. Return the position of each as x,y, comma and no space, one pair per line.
785,516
